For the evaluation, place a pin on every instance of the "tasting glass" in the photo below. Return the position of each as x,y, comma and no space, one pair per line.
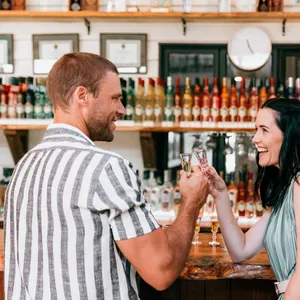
202,158
186,162
214,230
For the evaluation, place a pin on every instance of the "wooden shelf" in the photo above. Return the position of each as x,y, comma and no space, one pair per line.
17,124
15,16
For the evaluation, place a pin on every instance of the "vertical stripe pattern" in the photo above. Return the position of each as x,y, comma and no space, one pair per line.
66,205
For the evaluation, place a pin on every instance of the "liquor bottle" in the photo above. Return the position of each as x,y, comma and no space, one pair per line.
215,99
48,108
178,101
3,105
280,89
241,205
298,88
12,98
20,113
187,100
233,105
168,111
243,103
5,5
197,101
263,92
18,4
150,98
263,5
40,99
123,83
233,192
91,5
224,113
154,192
29,100
159,92
166,192
75,5
253,101
139,105
206,108
272,93
250,205
290,92
130,100
259,210
177,195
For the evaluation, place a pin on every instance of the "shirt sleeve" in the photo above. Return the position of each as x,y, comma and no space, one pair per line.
128,215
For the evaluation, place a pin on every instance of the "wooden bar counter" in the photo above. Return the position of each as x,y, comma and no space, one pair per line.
209,274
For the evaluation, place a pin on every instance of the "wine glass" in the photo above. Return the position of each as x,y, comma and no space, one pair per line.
214,230
202,158
195,240
186,162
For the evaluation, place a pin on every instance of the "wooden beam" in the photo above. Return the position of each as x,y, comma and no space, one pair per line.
18,143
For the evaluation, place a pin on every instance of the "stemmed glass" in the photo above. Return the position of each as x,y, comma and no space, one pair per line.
202,158
195,240
186,160
214,230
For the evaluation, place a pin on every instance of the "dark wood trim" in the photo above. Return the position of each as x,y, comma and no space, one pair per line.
18,143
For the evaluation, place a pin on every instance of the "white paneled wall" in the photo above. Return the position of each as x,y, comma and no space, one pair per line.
126,144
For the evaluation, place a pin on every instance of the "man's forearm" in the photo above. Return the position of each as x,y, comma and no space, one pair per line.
180,235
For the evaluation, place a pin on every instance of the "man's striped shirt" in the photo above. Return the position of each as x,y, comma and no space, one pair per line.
66,204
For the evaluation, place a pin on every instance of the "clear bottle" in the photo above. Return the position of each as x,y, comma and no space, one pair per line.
166,192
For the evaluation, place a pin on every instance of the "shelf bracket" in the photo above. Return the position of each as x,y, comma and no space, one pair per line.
18,143
283,26
183,21
87,23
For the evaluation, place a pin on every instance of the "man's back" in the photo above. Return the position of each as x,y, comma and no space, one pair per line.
66,204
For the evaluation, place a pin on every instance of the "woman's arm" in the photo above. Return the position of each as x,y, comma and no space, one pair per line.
240,246
293,290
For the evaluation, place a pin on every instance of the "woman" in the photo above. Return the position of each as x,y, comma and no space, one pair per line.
277,140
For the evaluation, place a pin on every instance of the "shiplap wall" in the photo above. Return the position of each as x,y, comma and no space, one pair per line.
127,144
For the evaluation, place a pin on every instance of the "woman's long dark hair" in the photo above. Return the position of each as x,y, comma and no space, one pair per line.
271,182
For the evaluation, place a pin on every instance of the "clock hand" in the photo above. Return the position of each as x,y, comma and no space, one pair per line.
248,44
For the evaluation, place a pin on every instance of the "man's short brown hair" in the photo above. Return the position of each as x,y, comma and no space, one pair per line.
73,70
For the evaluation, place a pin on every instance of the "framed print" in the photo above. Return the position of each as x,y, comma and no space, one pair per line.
48,48
6,54
127,51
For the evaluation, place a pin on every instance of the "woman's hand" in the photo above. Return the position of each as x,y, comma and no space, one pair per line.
217,185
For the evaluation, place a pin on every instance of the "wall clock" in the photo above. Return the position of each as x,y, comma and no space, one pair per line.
250,48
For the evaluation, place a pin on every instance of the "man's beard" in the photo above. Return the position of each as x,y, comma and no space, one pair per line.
100,130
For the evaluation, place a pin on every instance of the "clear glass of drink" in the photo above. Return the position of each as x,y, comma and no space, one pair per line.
214,230
202,158
186,162
195,240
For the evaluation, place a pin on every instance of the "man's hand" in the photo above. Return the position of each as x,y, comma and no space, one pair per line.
194,189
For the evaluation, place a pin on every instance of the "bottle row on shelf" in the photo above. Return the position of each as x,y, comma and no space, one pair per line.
201,103
22,99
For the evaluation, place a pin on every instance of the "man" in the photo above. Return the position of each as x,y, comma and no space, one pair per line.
76,224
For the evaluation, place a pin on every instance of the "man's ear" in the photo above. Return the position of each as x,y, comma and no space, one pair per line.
81,95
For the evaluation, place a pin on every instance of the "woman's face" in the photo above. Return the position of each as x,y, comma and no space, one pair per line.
268,138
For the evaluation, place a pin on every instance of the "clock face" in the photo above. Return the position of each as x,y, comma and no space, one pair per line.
250,49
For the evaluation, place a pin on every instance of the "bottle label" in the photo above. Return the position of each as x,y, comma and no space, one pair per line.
149,111
37,108
3,108
47,108
19,108
177,111
196,112
28,108
250,207
11,110
166,199
177,197
139,110
186,111
129,110
259,206
232,198
157,110
205,111
253,112
233,111
242,112
224,112
215,112
241,206
168,111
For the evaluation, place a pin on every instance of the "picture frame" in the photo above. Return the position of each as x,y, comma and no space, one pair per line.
6,54
48,48
127,51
